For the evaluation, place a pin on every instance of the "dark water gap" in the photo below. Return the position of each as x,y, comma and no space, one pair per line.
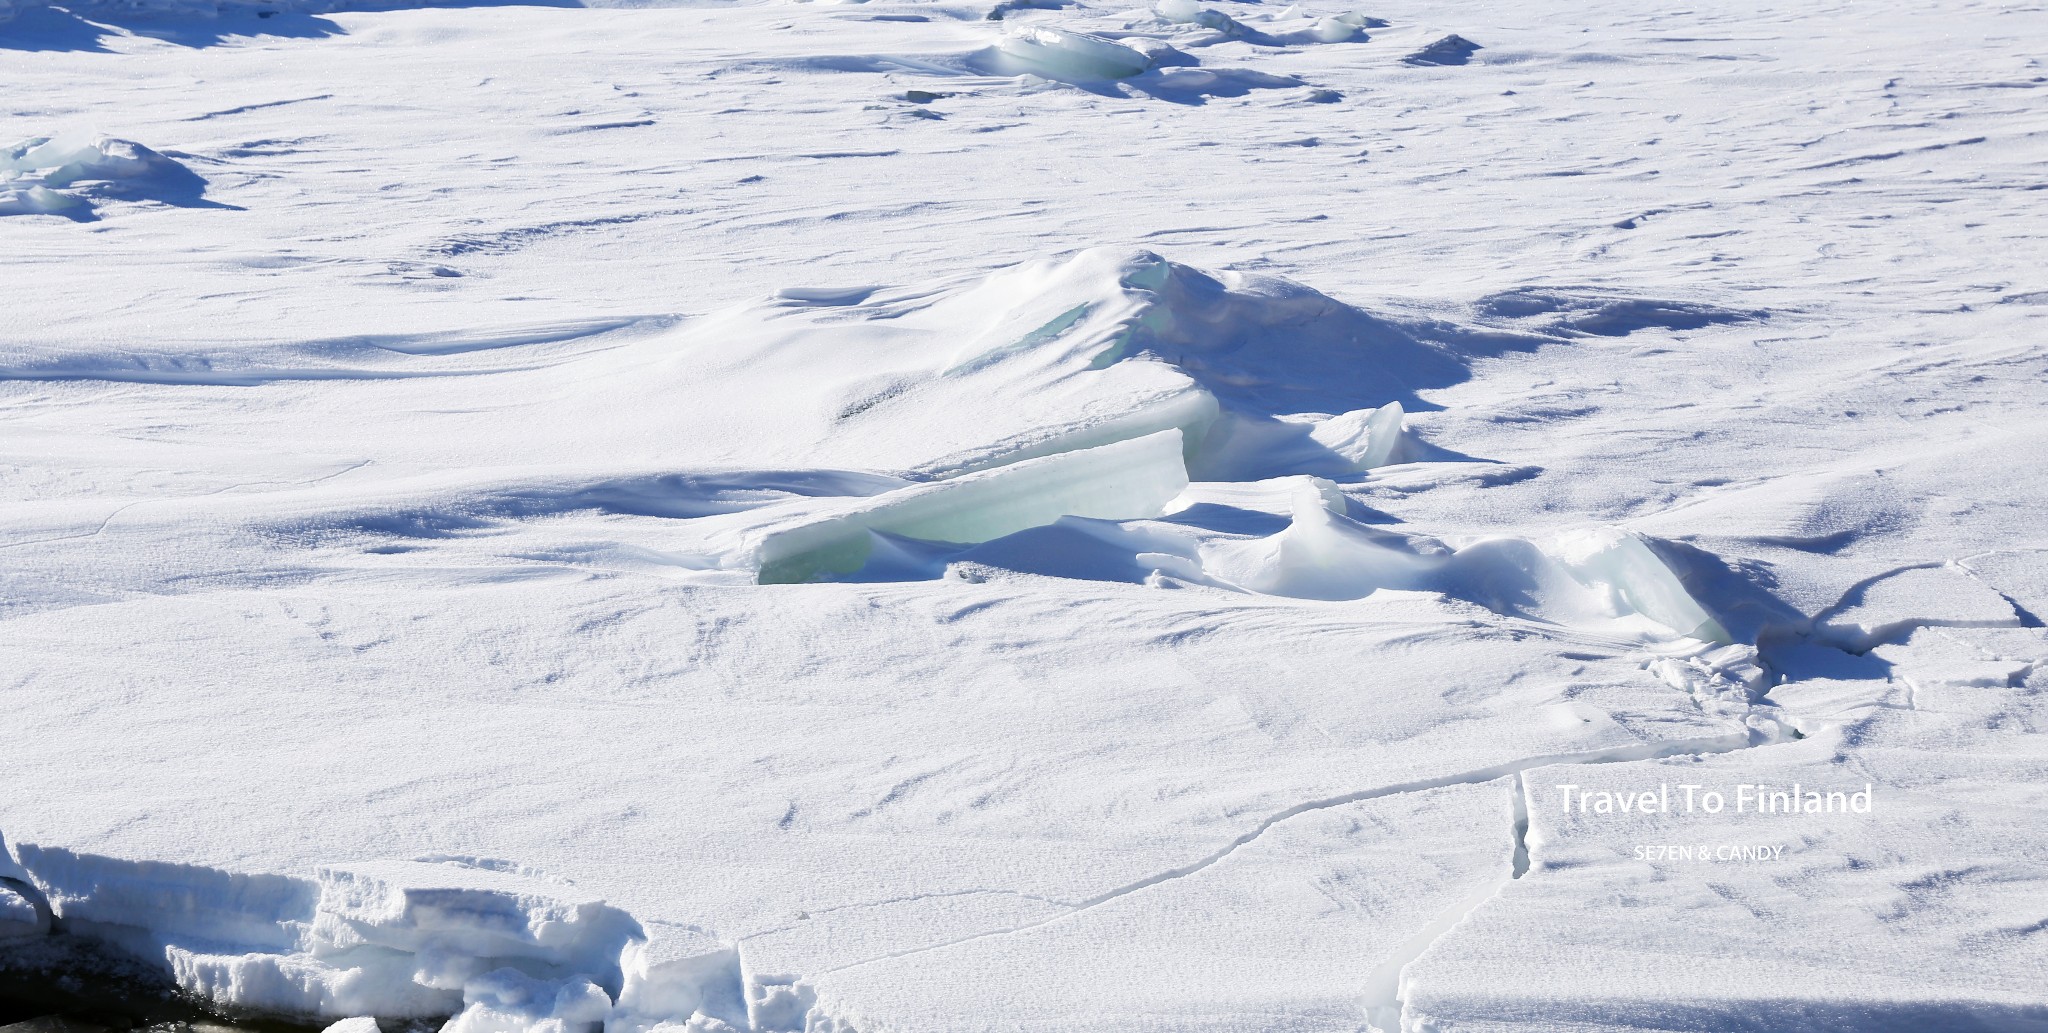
65,984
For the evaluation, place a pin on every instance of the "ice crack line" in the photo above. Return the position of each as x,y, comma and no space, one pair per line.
906,899
1639,751
1384,1000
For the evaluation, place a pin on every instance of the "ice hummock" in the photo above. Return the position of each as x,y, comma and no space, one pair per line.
1067,54
1102,385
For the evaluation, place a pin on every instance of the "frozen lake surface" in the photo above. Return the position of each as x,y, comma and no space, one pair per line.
927,517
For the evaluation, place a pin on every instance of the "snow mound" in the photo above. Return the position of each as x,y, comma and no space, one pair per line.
1450,50
1289,27
1108,62
407,940
64,176
1262,376
1581,576
1100,384
1598,312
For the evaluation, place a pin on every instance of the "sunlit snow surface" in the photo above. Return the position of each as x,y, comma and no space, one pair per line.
1028,516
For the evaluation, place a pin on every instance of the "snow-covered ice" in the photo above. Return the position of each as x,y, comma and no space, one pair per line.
1046,514
59,176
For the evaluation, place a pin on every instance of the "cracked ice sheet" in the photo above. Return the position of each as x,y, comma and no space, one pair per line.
1894,605
1924,913
733,757
1278,936
1474,179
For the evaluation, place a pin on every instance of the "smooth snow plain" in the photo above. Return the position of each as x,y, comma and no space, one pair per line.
920,516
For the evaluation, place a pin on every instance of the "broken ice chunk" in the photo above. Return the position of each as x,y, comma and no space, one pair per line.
778,1003
510,1001
1122,481
35,173
1334,29
676,973
381,982
470,919
396,939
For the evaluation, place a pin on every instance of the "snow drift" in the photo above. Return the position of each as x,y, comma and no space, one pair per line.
1262,376
1581,577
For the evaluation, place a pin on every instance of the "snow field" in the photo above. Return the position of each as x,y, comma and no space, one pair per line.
1609,395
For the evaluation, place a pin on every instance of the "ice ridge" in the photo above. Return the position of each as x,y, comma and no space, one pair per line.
491,951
